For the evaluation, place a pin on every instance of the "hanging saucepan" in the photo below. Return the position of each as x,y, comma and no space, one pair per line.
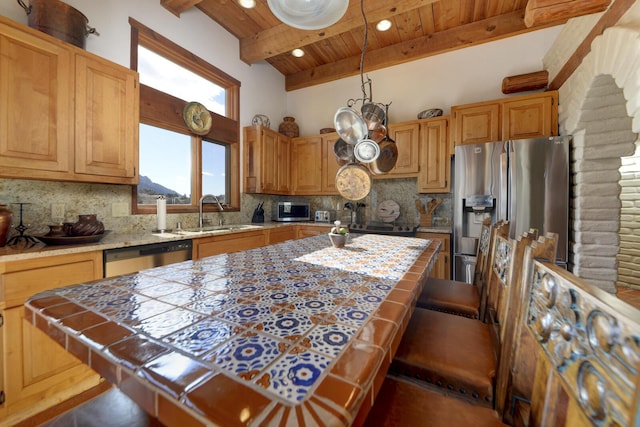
387,158
366,151
343,152
378,134
373,115
353,181
350,125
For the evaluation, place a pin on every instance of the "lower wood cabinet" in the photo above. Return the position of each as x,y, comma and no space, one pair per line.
442,267
312,230
215,245
282,234
37,373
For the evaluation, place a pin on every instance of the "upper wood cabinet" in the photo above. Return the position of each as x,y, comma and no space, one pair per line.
527,116
314,165
330,165
407,138
306,167
65,114
267,159
434,156
107,119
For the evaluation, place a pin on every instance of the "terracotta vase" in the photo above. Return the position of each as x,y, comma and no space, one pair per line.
87,225
289,127
5,224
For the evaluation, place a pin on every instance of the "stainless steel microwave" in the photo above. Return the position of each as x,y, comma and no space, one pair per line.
291,211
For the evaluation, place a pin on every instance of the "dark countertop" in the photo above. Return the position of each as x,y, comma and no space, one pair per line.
265,335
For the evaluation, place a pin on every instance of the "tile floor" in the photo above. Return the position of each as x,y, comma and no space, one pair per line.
110,409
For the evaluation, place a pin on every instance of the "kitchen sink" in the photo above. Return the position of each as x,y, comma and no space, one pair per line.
231,227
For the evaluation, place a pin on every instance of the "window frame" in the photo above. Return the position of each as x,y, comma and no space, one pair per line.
165,111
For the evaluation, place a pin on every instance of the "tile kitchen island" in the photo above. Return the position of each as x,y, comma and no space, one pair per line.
297,333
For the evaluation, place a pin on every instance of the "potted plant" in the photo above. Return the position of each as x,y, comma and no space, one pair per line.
338,235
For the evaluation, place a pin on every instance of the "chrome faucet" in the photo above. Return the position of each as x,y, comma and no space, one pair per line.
201,212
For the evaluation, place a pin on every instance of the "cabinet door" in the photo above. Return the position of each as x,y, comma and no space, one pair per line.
476,124
530,117
435,161
36,106
330,165
215,245
107,116
269,157
39,372
283,165
407,137
312,230
442,267
306,162
282,234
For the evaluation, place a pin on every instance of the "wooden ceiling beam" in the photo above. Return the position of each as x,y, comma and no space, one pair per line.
490,29
178,6
283,38
541,12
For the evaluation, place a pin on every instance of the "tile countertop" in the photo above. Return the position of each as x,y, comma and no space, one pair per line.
120,240
297,333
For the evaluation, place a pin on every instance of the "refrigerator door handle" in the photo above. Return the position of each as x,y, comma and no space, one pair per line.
504,207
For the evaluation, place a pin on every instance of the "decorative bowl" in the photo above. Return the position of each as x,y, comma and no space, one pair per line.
327,130
261,120
338,240
433,112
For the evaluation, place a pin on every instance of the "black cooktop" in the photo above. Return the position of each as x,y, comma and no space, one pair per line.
384,228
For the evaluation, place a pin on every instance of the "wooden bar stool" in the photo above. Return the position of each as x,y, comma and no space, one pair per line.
456,353
461,298
587,369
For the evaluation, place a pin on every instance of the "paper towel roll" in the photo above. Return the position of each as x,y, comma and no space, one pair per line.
161,208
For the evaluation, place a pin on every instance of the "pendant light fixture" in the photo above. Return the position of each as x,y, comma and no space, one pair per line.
308,14
362,123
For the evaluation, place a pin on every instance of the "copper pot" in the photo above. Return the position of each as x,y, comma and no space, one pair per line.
59,20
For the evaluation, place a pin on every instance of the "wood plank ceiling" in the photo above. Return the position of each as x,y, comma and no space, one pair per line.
421,28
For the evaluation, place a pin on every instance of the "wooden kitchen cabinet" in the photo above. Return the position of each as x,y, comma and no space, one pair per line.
306,165
442,267
314,165
282,234
330,165
526,116
37,372
434,156
267,161
312,230
107,120
226,243
36,105
65,114
407,138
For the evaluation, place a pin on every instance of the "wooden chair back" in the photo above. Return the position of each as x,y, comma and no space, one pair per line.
505,267
588,345
483,264
517,356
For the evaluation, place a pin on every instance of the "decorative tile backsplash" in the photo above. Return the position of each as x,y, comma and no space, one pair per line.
80,198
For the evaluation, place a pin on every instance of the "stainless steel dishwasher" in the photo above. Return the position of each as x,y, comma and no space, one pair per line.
135,258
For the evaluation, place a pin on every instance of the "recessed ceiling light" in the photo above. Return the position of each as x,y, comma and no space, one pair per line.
383,25
298,53
247,4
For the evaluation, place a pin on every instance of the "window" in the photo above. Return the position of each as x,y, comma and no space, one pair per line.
174,162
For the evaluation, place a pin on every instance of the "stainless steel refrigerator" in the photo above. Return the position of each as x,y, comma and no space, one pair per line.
525,181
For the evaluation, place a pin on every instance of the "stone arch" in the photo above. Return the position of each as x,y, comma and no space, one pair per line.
600,107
